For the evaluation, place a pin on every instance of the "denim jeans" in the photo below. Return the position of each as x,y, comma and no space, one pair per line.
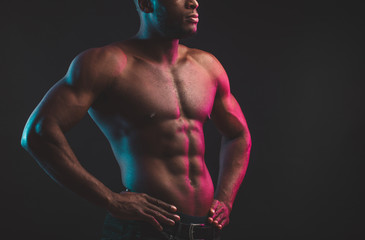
117,229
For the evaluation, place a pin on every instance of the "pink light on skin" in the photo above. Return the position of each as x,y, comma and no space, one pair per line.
193,18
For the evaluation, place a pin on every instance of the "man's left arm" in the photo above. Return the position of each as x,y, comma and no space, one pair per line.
235,148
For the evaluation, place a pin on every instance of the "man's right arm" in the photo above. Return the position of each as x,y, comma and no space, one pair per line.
65,104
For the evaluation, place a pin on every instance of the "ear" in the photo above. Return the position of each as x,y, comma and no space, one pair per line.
145,6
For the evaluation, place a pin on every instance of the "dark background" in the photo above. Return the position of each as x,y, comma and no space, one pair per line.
296,68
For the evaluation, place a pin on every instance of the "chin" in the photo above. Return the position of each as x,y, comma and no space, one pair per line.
183,32
188,33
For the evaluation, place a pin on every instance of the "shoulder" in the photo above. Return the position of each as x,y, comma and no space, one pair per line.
212,65
207,60
101,61
202,57
96,67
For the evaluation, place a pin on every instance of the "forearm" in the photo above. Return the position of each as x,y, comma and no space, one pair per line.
234,157
53,153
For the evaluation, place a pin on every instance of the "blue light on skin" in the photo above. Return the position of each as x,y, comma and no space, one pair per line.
127,161
28,128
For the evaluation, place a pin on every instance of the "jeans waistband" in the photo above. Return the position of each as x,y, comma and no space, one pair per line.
184,218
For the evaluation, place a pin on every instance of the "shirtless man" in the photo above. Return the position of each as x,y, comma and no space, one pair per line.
150,96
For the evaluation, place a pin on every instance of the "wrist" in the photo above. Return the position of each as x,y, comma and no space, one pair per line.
109,200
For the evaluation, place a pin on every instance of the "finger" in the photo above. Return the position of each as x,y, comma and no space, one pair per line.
218,211
150,219
211,211
216,220
160,218
171,216
213,207
219,226
219,218
161,203
215,223
225,222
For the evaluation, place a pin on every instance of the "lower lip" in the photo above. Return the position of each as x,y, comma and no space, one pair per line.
193,20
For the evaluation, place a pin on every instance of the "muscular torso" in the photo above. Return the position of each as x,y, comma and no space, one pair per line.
153,116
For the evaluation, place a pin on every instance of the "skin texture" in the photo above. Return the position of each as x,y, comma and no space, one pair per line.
150,96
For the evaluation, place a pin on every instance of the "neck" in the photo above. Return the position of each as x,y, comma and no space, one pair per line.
160,48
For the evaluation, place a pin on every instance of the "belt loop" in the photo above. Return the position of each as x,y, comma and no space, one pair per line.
177,230
213,233
216,233
179,226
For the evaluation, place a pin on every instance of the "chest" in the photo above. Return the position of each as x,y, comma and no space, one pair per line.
146,90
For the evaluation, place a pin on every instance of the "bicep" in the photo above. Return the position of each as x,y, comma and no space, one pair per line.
228,117
67,102
226,113
63,106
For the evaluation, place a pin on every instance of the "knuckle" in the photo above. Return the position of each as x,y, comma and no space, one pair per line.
153,212
138,211
149,218
159,215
